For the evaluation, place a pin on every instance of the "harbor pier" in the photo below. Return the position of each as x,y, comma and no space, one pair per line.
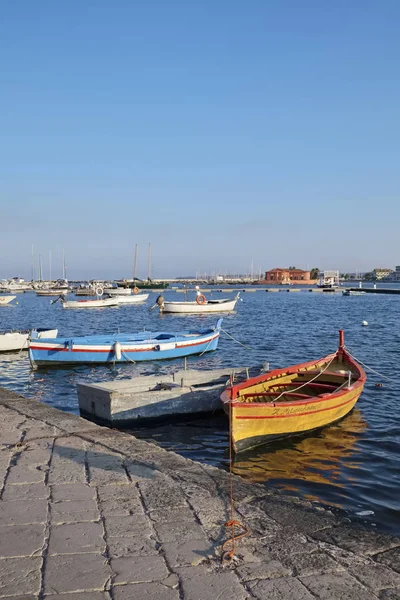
89,513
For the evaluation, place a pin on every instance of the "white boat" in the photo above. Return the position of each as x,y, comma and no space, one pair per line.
353,293
4,300
118,291
15,285
139,299
199,306
12,341
95,303
52,292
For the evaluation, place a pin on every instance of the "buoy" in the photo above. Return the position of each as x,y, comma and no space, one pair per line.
117,350
365,323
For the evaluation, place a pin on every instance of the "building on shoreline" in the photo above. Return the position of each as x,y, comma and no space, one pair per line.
285,276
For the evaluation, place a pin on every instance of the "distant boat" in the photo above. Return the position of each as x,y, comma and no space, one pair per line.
52,292
118,291
199,306
11,341
139,299
95,303
293,400
4,300
353,293
142,284
123,347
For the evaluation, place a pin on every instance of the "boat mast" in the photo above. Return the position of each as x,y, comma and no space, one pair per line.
64,270
149,263
49,265
33,262
40,268
135,262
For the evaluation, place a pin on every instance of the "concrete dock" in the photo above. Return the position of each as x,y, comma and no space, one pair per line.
89,513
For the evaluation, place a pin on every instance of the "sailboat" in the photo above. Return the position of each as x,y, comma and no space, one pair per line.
141,284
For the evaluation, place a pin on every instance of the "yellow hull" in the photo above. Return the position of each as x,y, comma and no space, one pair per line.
254,424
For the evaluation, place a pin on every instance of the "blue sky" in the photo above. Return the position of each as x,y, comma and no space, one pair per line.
221,132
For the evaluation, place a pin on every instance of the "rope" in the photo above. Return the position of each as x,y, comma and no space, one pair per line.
367,367
235,340
309,380
127,357
232,523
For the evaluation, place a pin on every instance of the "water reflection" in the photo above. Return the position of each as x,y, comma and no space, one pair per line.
315,459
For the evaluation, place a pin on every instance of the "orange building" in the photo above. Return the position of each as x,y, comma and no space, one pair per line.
287,276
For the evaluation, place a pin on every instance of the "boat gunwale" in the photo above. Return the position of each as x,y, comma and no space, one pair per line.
360,381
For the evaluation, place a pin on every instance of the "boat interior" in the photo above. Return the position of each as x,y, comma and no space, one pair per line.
318,379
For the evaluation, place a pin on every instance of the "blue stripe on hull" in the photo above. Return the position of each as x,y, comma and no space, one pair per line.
53,357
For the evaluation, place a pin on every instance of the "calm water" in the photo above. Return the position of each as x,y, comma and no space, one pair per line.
354,465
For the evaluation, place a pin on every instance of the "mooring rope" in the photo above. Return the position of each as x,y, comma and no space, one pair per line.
237,341
367,367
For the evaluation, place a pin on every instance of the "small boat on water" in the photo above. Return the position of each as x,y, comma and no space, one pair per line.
123,347
52,292
11,341
199,306
4,300
139,299
353,293
294,400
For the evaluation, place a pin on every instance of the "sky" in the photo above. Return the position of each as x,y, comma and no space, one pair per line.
226,133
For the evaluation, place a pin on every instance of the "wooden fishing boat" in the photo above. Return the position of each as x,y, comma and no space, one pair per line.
4,300
123,347
199,306
293,400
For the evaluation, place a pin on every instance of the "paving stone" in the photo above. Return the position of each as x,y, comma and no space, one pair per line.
179,531
131,525
263,570
76,572
80,596
283,589
106,468
40,430
340,586
21,540
312,563
121,491
76,537
20,575
138,471
131,546
138,569
19,512
73,491
357,539
391,558
175,515
26,491
375,576
161,494
200,583
20,474
68,461
150,591
121,507
70,506
88,516
389,595
187,553
24,597
289,514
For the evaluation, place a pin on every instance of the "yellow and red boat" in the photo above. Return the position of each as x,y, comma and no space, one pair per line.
294,400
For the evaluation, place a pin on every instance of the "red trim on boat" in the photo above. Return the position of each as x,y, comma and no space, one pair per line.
309,412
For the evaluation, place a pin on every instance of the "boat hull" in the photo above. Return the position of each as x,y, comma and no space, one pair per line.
102,303
139,299
194,308
265,425
86,350
15,341
4,300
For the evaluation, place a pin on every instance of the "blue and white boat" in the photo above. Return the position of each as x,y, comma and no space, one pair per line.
123,347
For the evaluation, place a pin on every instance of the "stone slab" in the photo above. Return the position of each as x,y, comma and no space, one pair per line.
73,491
76,537
21,575
190,553
340,586
142,591
138,569
20,512
26,491
119,547
282,589
200,583
76,573
21,540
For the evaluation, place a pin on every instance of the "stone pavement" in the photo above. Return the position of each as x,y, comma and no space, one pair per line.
88,513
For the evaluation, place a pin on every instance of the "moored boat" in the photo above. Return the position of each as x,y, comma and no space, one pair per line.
293,400
123,347
199,306
4,300
11,341
139,299
353,293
